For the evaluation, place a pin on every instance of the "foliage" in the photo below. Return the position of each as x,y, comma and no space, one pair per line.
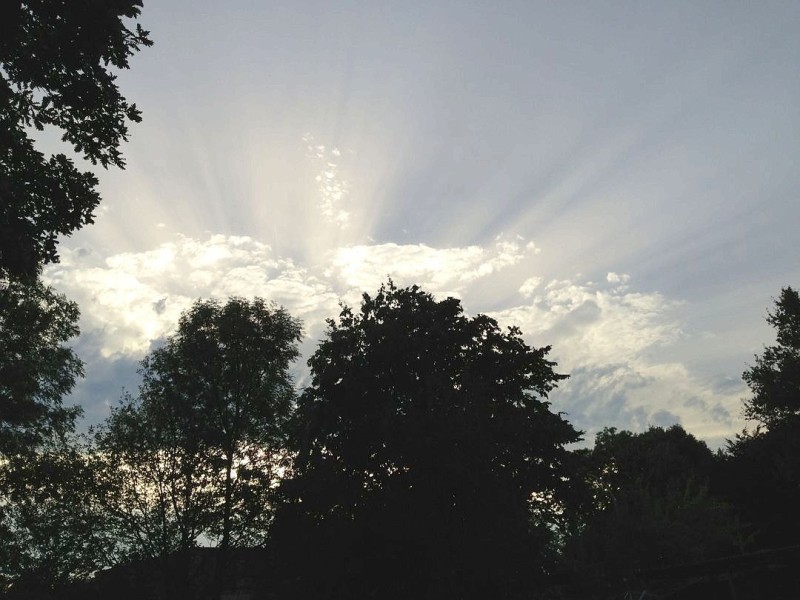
659,459
49,519
775,377
761,468
760,475
654,505
56,61
158,498
36,368
427,460
197,452
55,70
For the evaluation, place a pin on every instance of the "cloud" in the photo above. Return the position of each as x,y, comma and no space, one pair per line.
440,270
617,278
130,300
529,286
133,299
333,188
595,324
616,345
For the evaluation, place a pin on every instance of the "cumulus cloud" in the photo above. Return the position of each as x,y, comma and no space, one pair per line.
134,299
594,324
440,270
614,343
129,300
529,286
617,278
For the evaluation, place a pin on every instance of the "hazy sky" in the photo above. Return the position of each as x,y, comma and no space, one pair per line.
619,179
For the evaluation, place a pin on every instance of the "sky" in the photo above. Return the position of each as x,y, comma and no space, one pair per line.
617,179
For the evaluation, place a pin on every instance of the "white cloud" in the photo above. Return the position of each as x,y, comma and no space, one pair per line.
132,299
595,325
614,344
529,286
129,300
332,186
439,270
617,278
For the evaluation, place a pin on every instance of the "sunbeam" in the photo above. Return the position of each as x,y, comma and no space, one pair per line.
513,156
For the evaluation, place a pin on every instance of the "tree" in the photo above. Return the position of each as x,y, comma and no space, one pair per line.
55,71
762,467
654,505
659,458
55,60
158,498
427,459
42,523
197,452
36,368
49,519
775,377
760,476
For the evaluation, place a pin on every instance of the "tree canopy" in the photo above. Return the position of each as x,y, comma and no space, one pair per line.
422,460
50,524
774,379
653,505
760,474
762,467
196,453
426,455
56,61
37,368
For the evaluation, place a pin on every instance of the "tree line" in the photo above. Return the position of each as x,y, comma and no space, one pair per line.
423,459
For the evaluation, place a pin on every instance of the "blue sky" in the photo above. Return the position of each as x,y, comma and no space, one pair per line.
618,179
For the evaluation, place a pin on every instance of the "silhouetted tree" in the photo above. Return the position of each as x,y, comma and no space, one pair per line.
428,463
653,506
660,459
55,60
37,369
159,493
49,519
40,528
774,379
760,475
198,451
761,471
